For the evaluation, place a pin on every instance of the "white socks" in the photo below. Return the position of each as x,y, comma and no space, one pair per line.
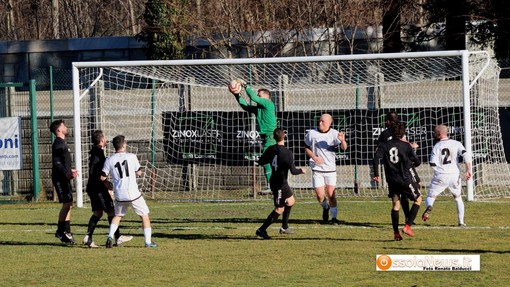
458,201
113,228
460,209
429,201
147,233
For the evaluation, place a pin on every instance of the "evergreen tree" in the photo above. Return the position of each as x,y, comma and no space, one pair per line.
162,40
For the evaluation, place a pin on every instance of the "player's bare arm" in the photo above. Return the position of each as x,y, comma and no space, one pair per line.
468,171
341,138
103,177
414,145
316,159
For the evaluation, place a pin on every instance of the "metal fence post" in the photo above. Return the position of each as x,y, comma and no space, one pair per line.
35,141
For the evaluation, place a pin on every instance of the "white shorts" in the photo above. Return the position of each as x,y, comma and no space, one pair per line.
139,207
440,182
320,179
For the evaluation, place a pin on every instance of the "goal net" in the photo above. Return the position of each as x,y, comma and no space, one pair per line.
196,143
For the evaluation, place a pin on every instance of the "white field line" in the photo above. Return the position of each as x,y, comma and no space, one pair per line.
254,227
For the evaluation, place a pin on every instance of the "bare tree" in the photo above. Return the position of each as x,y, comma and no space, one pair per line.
8,27
260,28
55,19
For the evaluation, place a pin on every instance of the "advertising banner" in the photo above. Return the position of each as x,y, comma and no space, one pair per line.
231,138
10,143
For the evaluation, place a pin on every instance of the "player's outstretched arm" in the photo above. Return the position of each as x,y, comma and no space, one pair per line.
293,169
341,138
253,95
236,86
242,102
265,158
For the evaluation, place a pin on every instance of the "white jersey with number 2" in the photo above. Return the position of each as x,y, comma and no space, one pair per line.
122,167
444,158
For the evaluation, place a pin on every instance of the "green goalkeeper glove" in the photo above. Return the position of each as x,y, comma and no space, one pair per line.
243,83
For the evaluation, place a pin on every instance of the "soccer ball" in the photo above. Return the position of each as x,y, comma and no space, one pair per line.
235,87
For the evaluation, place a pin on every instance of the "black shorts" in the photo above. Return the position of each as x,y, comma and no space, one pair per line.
63,189
414,174
100,200
280,196
410,189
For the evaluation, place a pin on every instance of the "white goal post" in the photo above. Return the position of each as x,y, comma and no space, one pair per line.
195,142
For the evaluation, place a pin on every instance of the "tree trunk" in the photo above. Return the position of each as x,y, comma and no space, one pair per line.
132,18
55,19
11,28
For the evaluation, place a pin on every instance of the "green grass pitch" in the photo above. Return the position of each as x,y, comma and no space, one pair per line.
214,244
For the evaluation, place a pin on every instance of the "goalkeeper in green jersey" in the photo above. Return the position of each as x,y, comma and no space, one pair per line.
265,113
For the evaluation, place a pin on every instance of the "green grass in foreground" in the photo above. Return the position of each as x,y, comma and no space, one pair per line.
213,244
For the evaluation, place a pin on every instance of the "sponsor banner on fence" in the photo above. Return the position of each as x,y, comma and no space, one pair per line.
10,143
421,262
231,138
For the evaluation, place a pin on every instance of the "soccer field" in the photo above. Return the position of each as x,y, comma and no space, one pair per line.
214,244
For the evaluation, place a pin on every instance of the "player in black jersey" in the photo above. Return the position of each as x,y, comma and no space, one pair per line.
281,161
61,176
398,156
99,191
392,118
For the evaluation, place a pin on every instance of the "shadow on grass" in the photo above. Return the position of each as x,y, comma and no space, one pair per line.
276,237
29,223
261,220
19,243
54,224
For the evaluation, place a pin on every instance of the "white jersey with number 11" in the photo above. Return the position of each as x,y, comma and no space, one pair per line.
122,167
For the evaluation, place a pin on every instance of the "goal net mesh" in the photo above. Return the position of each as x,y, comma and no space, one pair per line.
196,143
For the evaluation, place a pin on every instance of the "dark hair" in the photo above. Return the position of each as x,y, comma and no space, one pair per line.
55,125
118,142
266,91
278,134
391,117
97,135
397,130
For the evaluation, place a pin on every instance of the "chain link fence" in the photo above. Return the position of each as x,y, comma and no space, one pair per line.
54,100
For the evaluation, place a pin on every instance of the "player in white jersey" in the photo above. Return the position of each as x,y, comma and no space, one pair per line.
124,167
321,144
444,160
